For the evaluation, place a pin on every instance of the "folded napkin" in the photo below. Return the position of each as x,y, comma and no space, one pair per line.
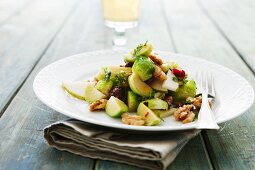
147,150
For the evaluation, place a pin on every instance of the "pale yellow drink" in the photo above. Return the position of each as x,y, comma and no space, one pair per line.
121,10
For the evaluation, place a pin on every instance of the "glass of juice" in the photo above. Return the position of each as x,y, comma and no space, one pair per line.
120,15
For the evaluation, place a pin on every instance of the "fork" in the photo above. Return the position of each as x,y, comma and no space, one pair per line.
206,119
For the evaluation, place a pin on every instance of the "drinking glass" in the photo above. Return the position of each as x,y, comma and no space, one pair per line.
120,15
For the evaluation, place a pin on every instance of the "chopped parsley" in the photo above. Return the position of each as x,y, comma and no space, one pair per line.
107,75
120,79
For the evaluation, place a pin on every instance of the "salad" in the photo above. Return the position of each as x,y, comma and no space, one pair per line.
143,91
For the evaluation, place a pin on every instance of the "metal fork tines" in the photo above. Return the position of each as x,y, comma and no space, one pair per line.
206,118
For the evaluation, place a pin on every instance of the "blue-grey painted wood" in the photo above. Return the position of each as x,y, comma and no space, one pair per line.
232,147
24,39
10,8
22,123
235,19
22,143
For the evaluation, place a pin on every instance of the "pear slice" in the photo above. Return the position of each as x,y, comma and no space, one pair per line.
76,89
92,94
169,83
157,85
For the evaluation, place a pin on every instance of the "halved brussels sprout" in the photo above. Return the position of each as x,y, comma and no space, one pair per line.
132,101
188,89
143,49
139,87
143,67
104,86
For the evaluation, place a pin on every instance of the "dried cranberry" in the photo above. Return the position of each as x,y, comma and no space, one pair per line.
118,92
129,64
178,73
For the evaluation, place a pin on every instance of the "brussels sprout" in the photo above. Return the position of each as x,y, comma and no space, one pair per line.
188,89
143,67
104,86
157,103
142,49
139,87
133,101
159,95
165,113
120,79
115,107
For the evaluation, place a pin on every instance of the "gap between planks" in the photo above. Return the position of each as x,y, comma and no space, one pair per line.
204,134
39,58
205,146
16,12
214,22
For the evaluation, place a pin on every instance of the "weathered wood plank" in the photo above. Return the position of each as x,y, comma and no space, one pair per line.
153,27
235,19
191,154
26,114
24,39
9,8
22,143
232,147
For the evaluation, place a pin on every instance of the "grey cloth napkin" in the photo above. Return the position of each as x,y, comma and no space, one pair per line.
151,151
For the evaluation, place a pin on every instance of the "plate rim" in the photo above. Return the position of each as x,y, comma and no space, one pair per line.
137,128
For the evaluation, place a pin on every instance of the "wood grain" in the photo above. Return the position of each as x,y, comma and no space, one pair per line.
24,39
235,19
151,27
22,143
22,122
232,147
10,8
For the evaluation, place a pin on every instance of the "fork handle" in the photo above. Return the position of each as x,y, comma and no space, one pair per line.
206,119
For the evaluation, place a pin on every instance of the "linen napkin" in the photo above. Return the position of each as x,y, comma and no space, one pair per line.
146,150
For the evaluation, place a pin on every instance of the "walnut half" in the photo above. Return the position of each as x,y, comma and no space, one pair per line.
98,105
132,119
197,101
184,114
159,74
156,59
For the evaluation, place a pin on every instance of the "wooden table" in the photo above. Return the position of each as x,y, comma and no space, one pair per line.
34,33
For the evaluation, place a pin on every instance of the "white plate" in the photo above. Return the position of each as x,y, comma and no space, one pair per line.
234,94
